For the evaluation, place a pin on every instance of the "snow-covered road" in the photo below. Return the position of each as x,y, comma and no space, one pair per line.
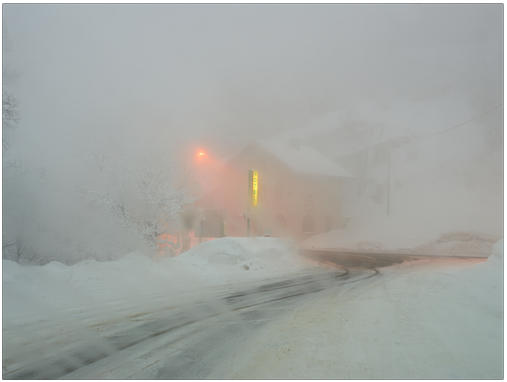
421,320
204,315
187,342
206,335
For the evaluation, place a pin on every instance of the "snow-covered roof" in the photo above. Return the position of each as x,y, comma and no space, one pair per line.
304,160
321,124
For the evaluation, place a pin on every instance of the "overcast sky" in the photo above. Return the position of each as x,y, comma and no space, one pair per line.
161,74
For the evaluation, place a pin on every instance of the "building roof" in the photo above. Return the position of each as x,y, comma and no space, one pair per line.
304,160
321,124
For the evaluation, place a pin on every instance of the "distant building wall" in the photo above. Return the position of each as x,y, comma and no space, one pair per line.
283,196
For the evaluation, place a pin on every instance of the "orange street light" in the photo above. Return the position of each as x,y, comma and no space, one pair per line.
201,157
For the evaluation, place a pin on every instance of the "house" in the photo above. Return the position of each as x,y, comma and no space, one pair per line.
300,190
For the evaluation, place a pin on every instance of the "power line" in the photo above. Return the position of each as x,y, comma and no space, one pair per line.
413,138
471,119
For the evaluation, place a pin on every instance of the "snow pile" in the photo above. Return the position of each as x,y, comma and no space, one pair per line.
485,280
233,258
84,297
496,258
431,319
110,287
458,244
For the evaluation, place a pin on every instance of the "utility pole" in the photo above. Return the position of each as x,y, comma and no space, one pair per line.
388,174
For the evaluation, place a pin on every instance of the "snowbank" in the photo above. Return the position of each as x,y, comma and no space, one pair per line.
97,287
53,307
382,239
234,257
496,258
227,261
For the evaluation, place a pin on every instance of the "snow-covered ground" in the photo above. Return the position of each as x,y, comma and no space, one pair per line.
54,307
442,319
433,319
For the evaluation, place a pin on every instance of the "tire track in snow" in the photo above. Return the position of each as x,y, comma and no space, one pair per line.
246,300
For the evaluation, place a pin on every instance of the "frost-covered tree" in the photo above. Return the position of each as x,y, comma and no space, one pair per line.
10,112
10,116
21,230
146,198
18,227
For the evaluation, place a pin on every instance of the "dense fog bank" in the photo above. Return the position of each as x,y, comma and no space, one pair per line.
104,107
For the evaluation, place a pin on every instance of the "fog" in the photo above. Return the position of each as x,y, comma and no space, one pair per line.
131,81
106,109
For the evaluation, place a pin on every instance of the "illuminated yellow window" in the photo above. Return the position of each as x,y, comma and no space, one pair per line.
255,187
